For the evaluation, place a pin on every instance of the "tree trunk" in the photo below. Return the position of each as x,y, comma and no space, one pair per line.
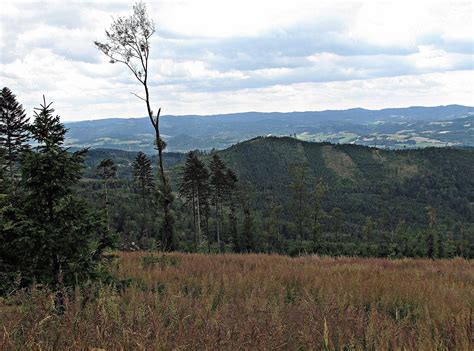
167,230
218,225
145,211
198,233
107,205
194,220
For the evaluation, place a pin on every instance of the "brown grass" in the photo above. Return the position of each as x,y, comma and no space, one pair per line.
193,301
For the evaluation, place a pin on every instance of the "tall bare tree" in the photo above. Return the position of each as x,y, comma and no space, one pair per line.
128,42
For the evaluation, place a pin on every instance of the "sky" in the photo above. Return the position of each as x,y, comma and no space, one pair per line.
225,56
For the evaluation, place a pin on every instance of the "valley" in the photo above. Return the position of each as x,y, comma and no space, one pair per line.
411,127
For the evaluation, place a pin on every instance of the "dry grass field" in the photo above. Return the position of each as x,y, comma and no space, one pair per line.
194,301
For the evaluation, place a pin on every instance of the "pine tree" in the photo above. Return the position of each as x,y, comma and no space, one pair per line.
14,130
195,189
142,173
107,170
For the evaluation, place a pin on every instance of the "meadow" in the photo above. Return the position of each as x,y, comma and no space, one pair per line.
230,301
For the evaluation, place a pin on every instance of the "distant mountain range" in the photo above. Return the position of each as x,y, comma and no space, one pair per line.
391,128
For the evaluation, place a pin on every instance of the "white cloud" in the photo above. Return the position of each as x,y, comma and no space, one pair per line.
214,56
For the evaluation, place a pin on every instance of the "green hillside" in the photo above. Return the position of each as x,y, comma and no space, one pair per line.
364,181
377,202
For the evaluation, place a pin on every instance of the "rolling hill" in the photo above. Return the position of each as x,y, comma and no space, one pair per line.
392,128
387,185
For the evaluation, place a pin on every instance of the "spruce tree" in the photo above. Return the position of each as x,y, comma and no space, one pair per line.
432,235
232,201
195,189
107,170
14,131
299,193
51,236
318,212
142,173
218,184
247,238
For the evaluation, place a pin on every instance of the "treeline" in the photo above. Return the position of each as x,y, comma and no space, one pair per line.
215,212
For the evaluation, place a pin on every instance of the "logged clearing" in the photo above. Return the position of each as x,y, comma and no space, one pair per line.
230,301
340,162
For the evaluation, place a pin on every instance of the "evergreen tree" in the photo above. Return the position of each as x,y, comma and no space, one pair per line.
14,131
247,239
218,183
337,219
142,173
318,212
432,236
195,189
107,170
231,181
299,194
51,236
272,223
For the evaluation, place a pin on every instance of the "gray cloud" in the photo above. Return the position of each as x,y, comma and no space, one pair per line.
57,39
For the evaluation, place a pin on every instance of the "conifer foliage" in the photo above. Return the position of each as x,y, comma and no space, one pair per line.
194,189
14,132
142,172
143,176
107,170
48,235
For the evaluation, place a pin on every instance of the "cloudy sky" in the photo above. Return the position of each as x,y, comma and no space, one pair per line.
220,56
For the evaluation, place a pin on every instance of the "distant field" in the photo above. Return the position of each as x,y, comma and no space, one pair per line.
194,301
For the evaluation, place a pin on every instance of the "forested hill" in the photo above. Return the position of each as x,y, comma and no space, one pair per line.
356,199
363,181
392,185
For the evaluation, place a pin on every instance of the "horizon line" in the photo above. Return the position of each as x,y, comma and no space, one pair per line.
270,112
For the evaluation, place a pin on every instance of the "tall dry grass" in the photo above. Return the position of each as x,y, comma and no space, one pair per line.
193,301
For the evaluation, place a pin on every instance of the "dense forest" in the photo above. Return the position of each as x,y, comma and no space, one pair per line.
299,197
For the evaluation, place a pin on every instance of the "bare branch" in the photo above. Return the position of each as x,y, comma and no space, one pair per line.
138,96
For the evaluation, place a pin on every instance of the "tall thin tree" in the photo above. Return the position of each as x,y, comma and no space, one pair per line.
107,170
128,42
298,187
195,189
14,131
218,184
142,173
318,213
